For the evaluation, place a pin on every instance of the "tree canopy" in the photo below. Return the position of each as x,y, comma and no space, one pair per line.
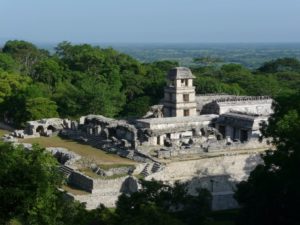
81,79
271,194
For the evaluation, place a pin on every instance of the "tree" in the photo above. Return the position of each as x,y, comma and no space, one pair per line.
7,63
84,58
138,107
280,65
28,185
47,71
25,53
11,83
158,203
38,108
271,194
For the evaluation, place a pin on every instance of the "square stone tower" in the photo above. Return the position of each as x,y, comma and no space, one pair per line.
179,97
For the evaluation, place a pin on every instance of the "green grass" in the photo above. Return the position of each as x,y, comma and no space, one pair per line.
88,152
2,132
110,166
90,173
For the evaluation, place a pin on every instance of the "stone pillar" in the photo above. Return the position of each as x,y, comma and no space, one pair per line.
81,120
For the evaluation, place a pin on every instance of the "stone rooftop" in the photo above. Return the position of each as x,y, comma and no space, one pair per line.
171,120
180,73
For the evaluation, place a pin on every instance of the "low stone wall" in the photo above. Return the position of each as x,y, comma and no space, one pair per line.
109,185
91,185
81,181
104,192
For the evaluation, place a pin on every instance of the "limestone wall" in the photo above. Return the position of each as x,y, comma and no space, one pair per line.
104,192
217,174
96,185
237,167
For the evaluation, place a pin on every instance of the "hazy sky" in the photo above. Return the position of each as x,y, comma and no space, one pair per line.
151,20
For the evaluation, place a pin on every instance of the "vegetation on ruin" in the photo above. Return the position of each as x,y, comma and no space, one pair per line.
82,79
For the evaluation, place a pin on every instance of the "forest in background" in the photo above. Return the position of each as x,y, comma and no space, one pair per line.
81,79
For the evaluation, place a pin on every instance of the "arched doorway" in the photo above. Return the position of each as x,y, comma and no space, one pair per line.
50,127
40,130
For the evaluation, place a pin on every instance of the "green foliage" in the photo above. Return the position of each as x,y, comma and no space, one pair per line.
138,107
25,53
280,65
163,204
28,185
38,108
271,194
7,63
11,84
237,80
47,71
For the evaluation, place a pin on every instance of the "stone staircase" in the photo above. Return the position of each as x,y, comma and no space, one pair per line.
66,170
147,170
156,167
151,168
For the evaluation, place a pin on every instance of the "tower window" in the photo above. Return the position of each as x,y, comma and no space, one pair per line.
186,112
184,82
186,97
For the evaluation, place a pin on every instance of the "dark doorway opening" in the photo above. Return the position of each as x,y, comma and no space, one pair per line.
40,129
158,140
51,128
244,135
222,130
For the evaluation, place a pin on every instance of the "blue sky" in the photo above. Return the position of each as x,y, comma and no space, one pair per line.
138,21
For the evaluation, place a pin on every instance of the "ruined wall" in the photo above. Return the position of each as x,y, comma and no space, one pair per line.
237,166
218,174
104,191
81,181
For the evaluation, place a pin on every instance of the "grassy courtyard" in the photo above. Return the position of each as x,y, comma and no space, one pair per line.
2,132
88,152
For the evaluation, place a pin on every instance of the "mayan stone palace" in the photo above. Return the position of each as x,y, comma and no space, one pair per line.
211,141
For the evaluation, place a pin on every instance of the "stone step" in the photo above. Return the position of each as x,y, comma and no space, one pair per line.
156,167
66,170
146,171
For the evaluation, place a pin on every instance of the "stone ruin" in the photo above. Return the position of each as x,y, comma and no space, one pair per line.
185,125
43,127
